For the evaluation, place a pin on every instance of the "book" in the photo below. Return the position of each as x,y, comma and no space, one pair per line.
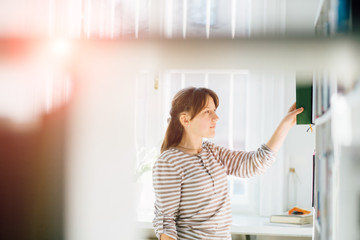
304,99
292,219
313,180
309,225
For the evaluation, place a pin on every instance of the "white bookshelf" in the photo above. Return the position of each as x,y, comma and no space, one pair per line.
323,118
337,165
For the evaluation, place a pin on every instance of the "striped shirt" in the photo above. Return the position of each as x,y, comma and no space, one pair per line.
191,191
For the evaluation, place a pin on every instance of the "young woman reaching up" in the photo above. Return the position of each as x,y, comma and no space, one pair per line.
190,176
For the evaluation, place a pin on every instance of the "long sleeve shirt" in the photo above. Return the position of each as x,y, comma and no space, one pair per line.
191,191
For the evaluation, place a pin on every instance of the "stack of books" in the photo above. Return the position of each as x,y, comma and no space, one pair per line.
292,219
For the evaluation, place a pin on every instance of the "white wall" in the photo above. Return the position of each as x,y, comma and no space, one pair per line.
101,149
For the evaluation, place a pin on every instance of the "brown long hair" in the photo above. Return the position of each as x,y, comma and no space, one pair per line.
191,100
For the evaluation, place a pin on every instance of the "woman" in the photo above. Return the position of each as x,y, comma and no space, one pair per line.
189,177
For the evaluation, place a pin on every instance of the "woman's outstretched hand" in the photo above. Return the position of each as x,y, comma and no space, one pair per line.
282,130
290,117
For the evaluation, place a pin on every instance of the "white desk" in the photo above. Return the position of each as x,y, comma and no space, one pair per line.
249,226
262,226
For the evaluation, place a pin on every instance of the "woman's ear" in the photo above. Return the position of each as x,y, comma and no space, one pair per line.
184,119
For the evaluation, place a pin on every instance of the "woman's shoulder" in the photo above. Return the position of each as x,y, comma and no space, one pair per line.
167,156
168,160
168,153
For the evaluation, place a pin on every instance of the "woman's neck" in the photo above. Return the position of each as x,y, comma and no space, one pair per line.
190,145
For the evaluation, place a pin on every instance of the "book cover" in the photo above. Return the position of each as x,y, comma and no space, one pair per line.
292,219
314,91
304,98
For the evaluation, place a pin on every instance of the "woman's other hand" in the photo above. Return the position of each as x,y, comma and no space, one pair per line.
165,237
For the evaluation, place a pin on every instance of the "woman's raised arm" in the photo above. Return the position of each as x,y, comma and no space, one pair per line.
284,127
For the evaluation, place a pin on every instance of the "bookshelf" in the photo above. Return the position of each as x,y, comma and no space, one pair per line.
336,109
325,179
337,166
323,118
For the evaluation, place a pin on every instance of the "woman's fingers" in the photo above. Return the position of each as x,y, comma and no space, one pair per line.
298,111
295,110
293,107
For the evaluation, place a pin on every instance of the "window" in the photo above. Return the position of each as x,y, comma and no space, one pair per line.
207,18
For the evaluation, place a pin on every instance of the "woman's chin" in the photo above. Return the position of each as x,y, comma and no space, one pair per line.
211,135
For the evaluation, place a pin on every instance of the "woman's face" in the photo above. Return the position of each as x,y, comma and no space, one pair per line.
203,124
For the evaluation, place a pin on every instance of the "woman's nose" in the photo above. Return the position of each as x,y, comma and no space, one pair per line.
215,118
